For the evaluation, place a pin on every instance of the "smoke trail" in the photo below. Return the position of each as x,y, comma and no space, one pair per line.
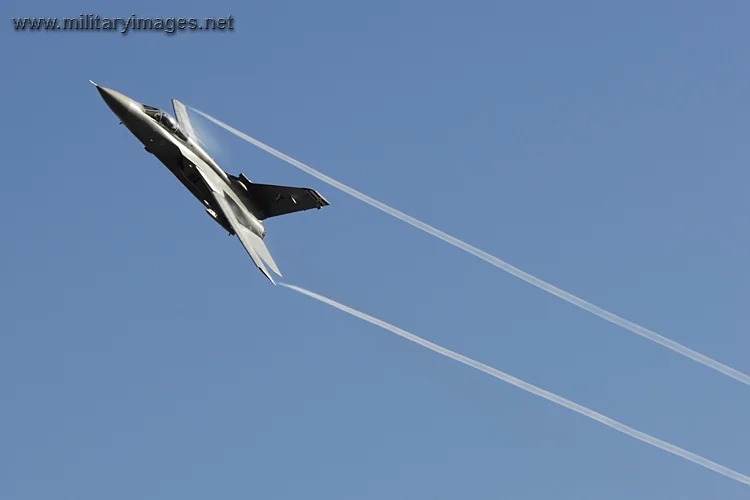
547,287
609,422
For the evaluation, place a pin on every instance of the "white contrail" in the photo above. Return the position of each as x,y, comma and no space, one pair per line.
569,297
609,422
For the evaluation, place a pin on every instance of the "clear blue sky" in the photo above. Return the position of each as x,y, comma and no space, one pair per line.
601,148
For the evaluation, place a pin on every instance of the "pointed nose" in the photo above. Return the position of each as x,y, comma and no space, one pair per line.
119,103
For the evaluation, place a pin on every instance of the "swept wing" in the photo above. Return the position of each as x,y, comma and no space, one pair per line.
180,113
272,201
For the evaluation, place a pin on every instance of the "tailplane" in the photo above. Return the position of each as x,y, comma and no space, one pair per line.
257,249
253,243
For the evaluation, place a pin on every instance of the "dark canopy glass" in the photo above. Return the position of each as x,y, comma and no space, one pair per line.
165,119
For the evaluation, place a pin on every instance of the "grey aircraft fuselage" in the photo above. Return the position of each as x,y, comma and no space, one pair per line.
161,136
234,202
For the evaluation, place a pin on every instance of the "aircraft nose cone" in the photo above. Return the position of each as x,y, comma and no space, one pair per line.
117,102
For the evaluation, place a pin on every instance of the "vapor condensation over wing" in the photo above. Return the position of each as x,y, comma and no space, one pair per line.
537,282
609,422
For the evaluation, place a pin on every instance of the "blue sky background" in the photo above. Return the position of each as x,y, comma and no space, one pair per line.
602,148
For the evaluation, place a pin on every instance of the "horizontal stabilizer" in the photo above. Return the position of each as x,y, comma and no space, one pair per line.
254,245
250,239
256,258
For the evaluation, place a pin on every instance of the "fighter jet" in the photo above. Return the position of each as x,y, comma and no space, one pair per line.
234,202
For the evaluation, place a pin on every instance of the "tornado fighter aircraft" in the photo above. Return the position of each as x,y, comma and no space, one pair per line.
234,202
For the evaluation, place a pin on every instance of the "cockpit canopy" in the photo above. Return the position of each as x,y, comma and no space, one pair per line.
166,120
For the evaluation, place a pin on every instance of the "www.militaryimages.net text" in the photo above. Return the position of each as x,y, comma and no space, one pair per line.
123,25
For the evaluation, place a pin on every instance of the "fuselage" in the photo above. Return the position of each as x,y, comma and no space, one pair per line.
161,136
